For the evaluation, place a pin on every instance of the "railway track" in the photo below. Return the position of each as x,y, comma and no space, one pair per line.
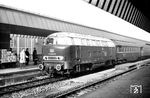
26,85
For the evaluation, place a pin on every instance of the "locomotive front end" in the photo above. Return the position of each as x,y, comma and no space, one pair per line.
54,59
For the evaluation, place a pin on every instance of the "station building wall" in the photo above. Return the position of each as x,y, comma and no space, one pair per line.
18,42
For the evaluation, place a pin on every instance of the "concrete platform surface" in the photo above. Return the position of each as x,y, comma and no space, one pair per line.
132,85
16,70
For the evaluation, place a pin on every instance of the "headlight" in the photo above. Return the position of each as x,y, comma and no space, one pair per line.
45,58
58,67
60,57
41,66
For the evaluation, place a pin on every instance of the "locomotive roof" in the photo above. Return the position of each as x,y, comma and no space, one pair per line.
65,38
75,35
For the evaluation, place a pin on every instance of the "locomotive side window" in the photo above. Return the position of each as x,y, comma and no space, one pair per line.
77,41
88,42
64,41
103,43
84,41
68,41
93,42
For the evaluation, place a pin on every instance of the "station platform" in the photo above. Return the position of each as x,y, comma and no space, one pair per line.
10,71
135,84
14,70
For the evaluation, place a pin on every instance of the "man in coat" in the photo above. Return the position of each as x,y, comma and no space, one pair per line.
27,56
35,56
22,58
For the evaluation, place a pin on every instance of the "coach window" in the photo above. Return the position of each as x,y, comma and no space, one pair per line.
127,49
117,49
133,49
123,49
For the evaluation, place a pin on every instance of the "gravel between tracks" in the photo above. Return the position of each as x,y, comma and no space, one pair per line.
56,88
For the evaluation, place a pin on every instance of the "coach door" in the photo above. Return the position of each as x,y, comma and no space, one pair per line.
78,54
141,51
78,58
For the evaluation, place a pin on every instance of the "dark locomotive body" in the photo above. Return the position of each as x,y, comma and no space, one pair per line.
66,57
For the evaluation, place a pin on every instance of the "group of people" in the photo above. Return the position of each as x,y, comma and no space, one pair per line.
24,57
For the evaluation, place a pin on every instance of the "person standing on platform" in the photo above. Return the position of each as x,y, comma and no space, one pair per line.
27,56
35,56
22,58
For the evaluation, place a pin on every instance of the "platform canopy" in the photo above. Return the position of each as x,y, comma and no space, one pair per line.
75,16
54,14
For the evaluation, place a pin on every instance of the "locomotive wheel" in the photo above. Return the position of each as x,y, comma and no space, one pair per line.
69,73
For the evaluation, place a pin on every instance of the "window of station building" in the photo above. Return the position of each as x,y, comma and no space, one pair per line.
28,44
100,43
13,43
22,42
103,43
133,48
126,49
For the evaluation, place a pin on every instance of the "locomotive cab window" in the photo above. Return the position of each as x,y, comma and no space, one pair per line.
49,40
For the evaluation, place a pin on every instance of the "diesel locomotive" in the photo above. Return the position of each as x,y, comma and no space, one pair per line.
66,53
